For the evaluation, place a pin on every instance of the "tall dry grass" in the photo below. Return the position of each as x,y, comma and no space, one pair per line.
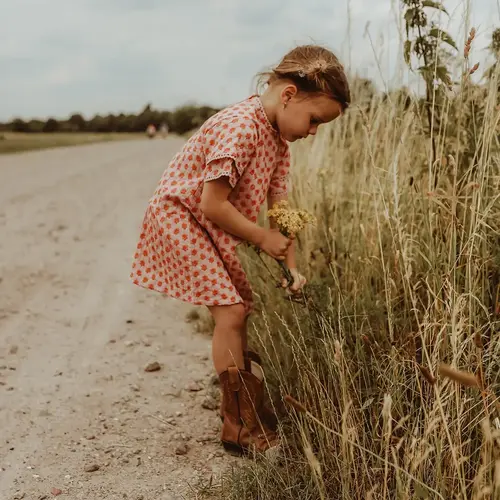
404,273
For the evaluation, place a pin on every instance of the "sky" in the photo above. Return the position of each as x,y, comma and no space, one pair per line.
100,56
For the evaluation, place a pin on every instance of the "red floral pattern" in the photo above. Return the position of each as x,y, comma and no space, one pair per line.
182,254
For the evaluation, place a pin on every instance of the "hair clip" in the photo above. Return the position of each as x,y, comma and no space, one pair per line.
302,74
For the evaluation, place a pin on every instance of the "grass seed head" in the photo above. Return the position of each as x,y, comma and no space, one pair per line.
464,378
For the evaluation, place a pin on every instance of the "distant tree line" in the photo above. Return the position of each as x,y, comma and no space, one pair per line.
180,121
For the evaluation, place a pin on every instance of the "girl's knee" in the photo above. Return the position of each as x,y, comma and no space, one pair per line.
233,316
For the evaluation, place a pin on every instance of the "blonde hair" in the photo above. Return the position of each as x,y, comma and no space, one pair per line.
313,69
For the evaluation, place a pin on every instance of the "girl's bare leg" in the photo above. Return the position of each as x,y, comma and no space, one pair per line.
230,336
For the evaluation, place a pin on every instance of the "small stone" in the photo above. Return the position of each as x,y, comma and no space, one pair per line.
129,343
43,497
138,461
10,388
209,403
194,387
135,388
13,349
125,461
152,367
56,491
19,496
130,321
112,341
205,439
140,497
90,438
92,468
182,449
178,413
192,316
146,342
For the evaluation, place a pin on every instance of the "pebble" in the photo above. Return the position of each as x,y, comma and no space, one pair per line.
135,388
13,349
91,468
129,343
56,491
194,387
209,403
182,449
152,367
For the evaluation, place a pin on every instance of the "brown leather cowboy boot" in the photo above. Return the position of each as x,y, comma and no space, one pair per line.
266,414
253,364
242,428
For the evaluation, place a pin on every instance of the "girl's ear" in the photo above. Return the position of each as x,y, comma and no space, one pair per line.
288,92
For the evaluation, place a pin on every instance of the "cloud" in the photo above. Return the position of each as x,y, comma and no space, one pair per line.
93,56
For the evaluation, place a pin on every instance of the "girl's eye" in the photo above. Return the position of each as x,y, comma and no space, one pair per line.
315,121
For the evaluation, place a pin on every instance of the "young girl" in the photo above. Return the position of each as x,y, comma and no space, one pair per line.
207,202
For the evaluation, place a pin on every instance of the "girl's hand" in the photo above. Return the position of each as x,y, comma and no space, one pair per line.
275,244
298,282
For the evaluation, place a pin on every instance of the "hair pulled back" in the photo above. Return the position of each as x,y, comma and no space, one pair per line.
313,69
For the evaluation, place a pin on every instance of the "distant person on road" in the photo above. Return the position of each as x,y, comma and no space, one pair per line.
207,203
151,131
164,130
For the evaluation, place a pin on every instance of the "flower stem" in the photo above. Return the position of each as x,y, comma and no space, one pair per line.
286,272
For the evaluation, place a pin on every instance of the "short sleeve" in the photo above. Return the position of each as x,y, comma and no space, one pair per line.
279,185
229,147
221,167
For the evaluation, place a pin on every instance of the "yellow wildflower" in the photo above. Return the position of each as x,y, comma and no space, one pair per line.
289,221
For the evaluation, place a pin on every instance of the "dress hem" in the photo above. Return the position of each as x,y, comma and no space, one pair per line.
187,301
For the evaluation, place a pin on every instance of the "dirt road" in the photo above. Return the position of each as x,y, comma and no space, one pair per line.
79,416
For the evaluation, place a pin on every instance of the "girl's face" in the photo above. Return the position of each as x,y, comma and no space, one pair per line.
300,115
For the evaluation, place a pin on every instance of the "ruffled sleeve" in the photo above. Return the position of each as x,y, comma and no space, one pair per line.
229,147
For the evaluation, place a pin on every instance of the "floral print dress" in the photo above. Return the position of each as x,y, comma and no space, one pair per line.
180,252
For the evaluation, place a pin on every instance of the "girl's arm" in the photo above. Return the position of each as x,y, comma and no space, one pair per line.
218,209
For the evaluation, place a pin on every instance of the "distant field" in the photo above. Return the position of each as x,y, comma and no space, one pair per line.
15,142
